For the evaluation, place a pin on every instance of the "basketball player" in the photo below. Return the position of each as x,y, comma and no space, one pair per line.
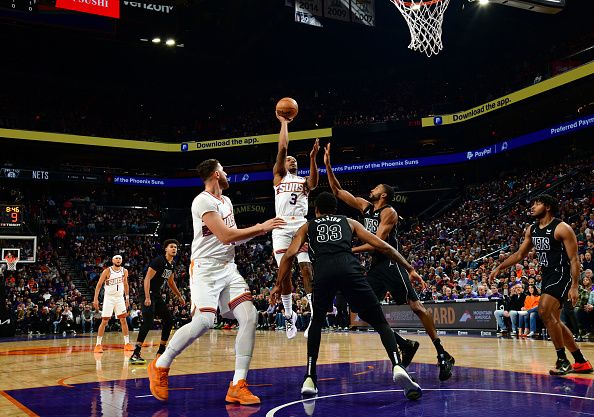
116,298
290,200
215,282
556,250
381,219
159,271
337,269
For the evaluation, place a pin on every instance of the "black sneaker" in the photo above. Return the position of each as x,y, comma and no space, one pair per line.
446,362
562,367
135,359
408,351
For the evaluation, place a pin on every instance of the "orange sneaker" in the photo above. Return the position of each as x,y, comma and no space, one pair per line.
582,368
239,393
98,349
159,382
128,346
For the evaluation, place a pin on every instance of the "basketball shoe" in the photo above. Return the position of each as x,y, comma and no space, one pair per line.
240,393
290,327
159,382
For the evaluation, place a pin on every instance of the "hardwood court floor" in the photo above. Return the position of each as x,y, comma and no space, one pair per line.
62,376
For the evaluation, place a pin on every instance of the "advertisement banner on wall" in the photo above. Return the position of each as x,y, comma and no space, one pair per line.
447,315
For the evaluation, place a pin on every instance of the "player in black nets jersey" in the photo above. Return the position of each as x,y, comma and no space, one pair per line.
337,269
160,271
556,250
384,275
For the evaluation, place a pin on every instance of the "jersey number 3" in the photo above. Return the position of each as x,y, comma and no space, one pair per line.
293,199
329,233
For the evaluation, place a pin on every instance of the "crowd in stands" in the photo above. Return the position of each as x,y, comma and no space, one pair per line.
454,254
342,100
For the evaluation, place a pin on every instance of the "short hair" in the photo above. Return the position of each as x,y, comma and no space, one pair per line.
169,242
206,168
389,190
326,203
547,200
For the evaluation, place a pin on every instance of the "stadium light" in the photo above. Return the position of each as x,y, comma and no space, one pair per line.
170,42
156,40
483,2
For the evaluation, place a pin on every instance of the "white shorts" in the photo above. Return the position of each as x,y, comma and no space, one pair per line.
113,304
217,284
282,238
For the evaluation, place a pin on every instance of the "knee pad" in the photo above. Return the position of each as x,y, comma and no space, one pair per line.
201,322
246,314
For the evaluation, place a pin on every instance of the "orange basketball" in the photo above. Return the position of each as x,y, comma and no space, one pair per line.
287,108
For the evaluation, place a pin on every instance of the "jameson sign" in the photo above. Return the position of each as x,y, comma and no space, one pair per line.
447,315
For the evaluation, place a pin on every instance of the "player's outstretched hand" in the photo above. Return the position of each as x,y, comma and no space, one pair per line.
415,277
327,154
315,149
274,296
275,223
96,304
282,118
494,273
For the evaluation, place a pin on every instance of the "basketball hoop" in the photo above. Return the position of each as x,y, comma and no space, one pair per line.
11,263
424,20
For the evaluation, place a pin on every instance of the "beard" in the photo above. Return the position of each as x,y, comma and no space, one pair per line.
223,183
373,198
292,170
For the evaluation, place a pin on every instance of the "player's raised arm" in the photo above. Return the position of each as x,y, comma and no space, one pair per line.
228,235
312,180
280,169
513,259
355,202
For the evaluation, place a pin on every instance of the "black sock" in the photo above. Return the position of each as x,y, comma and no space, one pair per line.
438,346
311,367
161,350
401,341
137,348
561,354
577,355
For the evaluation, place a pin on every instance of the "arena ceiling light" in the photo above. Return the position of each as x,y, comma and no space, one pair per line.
483,2
156,40
170,42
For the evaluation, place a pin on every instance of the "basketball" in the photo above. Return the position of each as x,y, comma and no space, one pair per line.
287,108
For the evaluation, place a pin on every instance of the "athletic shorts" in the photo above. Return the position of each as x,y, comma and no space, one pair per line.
387,276
341,273
556,285
282,238
217,284
113,304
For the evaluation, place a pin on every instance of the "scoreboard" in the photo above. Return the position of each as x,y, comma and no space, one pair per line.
11,215
19,5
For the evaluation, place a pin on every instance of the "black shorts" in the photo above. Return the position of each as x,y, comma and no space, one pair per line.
556,285
341,273
386,276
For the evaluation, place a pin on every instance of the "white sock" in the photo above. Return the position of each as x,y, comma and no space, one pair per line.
99,339
288,304
246,316
127,339
184,337
310,303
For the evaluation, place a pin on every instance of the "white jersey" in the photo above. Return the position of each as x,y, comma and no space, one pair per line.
205,244
114,283
290,196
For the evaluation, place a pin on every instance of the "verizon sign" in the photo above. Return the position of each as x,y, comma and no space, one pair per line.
158,8
109,8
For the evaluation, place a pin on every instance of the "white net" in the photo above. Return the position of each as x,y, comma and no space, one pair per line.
424,20
11,263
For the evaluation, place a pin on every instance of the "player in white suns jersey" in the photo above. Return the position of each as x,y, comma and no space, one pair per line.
116,298
215,282
290,199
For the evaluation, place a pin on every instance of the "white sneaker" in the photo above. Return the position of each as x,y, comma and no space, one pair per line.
306,333
530,334
309,386
290,327
412,390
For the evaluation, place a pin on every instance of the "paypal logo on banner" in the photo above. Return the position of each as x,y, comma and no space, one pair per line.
437,120
469,155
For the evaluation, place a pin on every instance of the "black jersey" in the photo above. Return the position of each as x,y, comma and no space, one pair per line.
371,222
550,252
329,235
164,271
